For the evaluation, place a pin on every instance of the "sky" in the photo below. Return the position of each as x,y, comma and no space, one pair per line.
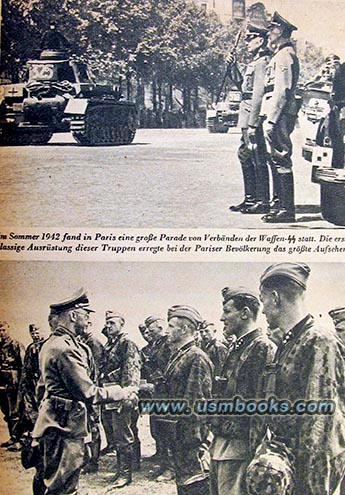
140,289
318,21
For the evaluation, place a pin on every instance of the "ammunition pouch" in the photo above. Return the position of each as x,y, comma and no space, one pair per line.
66,415
9,378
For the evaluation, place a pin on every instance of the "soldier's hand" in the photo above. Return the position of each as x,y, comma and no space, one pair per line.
129,391
114,393
131,399
231,59
252,135
269,131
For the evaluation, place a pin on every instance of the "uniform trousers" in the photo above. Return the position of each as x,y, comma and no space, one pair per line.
228,477
118,426
8,406
281,144
63,459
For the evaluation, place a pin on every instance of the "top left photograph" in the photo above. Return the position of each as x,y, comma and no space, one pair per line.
172,113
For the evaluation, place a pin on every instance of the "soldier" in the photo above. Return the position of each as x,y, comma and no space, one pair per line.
10,371
159,356
244,365
54,40
309,366
280,108
93,356
27,401
145,353
338,317
69,390
121,365
215,349
252,151
189,376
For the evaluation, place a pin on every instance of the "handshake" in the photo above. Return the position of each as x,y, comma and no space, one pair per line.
116,393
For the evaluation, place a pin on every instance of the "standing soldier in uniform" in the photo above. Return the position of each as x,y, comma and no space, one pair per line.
27,400
279,107
62,424
121,365
310,367
159,357
244,365
189,376
145,352
10,372
252,151
215,349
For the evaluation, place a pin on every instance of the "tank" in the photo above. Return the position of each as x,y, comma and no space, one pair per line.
315,107
225,115
329,165
61,95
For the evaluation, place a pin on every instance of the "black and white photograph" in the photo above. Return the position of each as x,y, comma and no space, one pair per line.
89,350
179,113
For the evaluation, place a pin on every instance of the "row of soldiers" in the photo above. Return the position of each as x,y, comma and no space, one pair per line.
82,383
268,113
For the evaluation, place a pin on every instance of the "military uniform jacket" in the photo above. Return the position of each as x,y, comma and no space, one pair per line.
253,87
217,352
10,363
189,375
68,386
243,369
121,362
280,84
28,381
311,366
145,356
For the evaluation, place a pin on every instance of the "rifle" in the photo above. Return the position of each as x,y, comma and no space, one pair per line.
235,76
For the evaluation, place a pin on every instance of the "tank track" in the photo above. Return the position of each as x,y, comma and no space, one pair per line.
106,124
13,136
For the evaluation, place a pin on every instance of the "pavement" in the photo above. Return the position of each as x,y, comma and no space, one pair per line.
176,178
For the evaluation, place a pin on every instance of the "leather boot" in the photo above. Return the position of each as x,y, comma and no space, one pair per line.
136,449
113,475
286,214
246,203
125,471
249,183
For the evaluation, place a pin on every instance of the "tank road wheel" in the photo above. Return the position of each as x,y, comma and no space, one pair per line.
107,124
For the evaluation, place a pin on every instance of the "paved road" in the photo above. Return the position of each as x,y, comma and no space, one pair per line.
166,178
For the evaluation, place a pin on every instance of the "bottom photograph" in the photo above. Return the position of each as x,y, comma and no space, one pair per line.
187,378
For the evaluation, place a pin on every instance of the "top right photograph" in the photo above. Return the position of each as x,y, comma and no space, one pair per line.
173,114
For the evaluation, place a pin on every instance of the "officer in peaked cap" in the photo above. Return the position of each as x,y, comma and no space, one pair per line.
279,109
306,360
188,376
79,300
281,23
252,150
67,390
